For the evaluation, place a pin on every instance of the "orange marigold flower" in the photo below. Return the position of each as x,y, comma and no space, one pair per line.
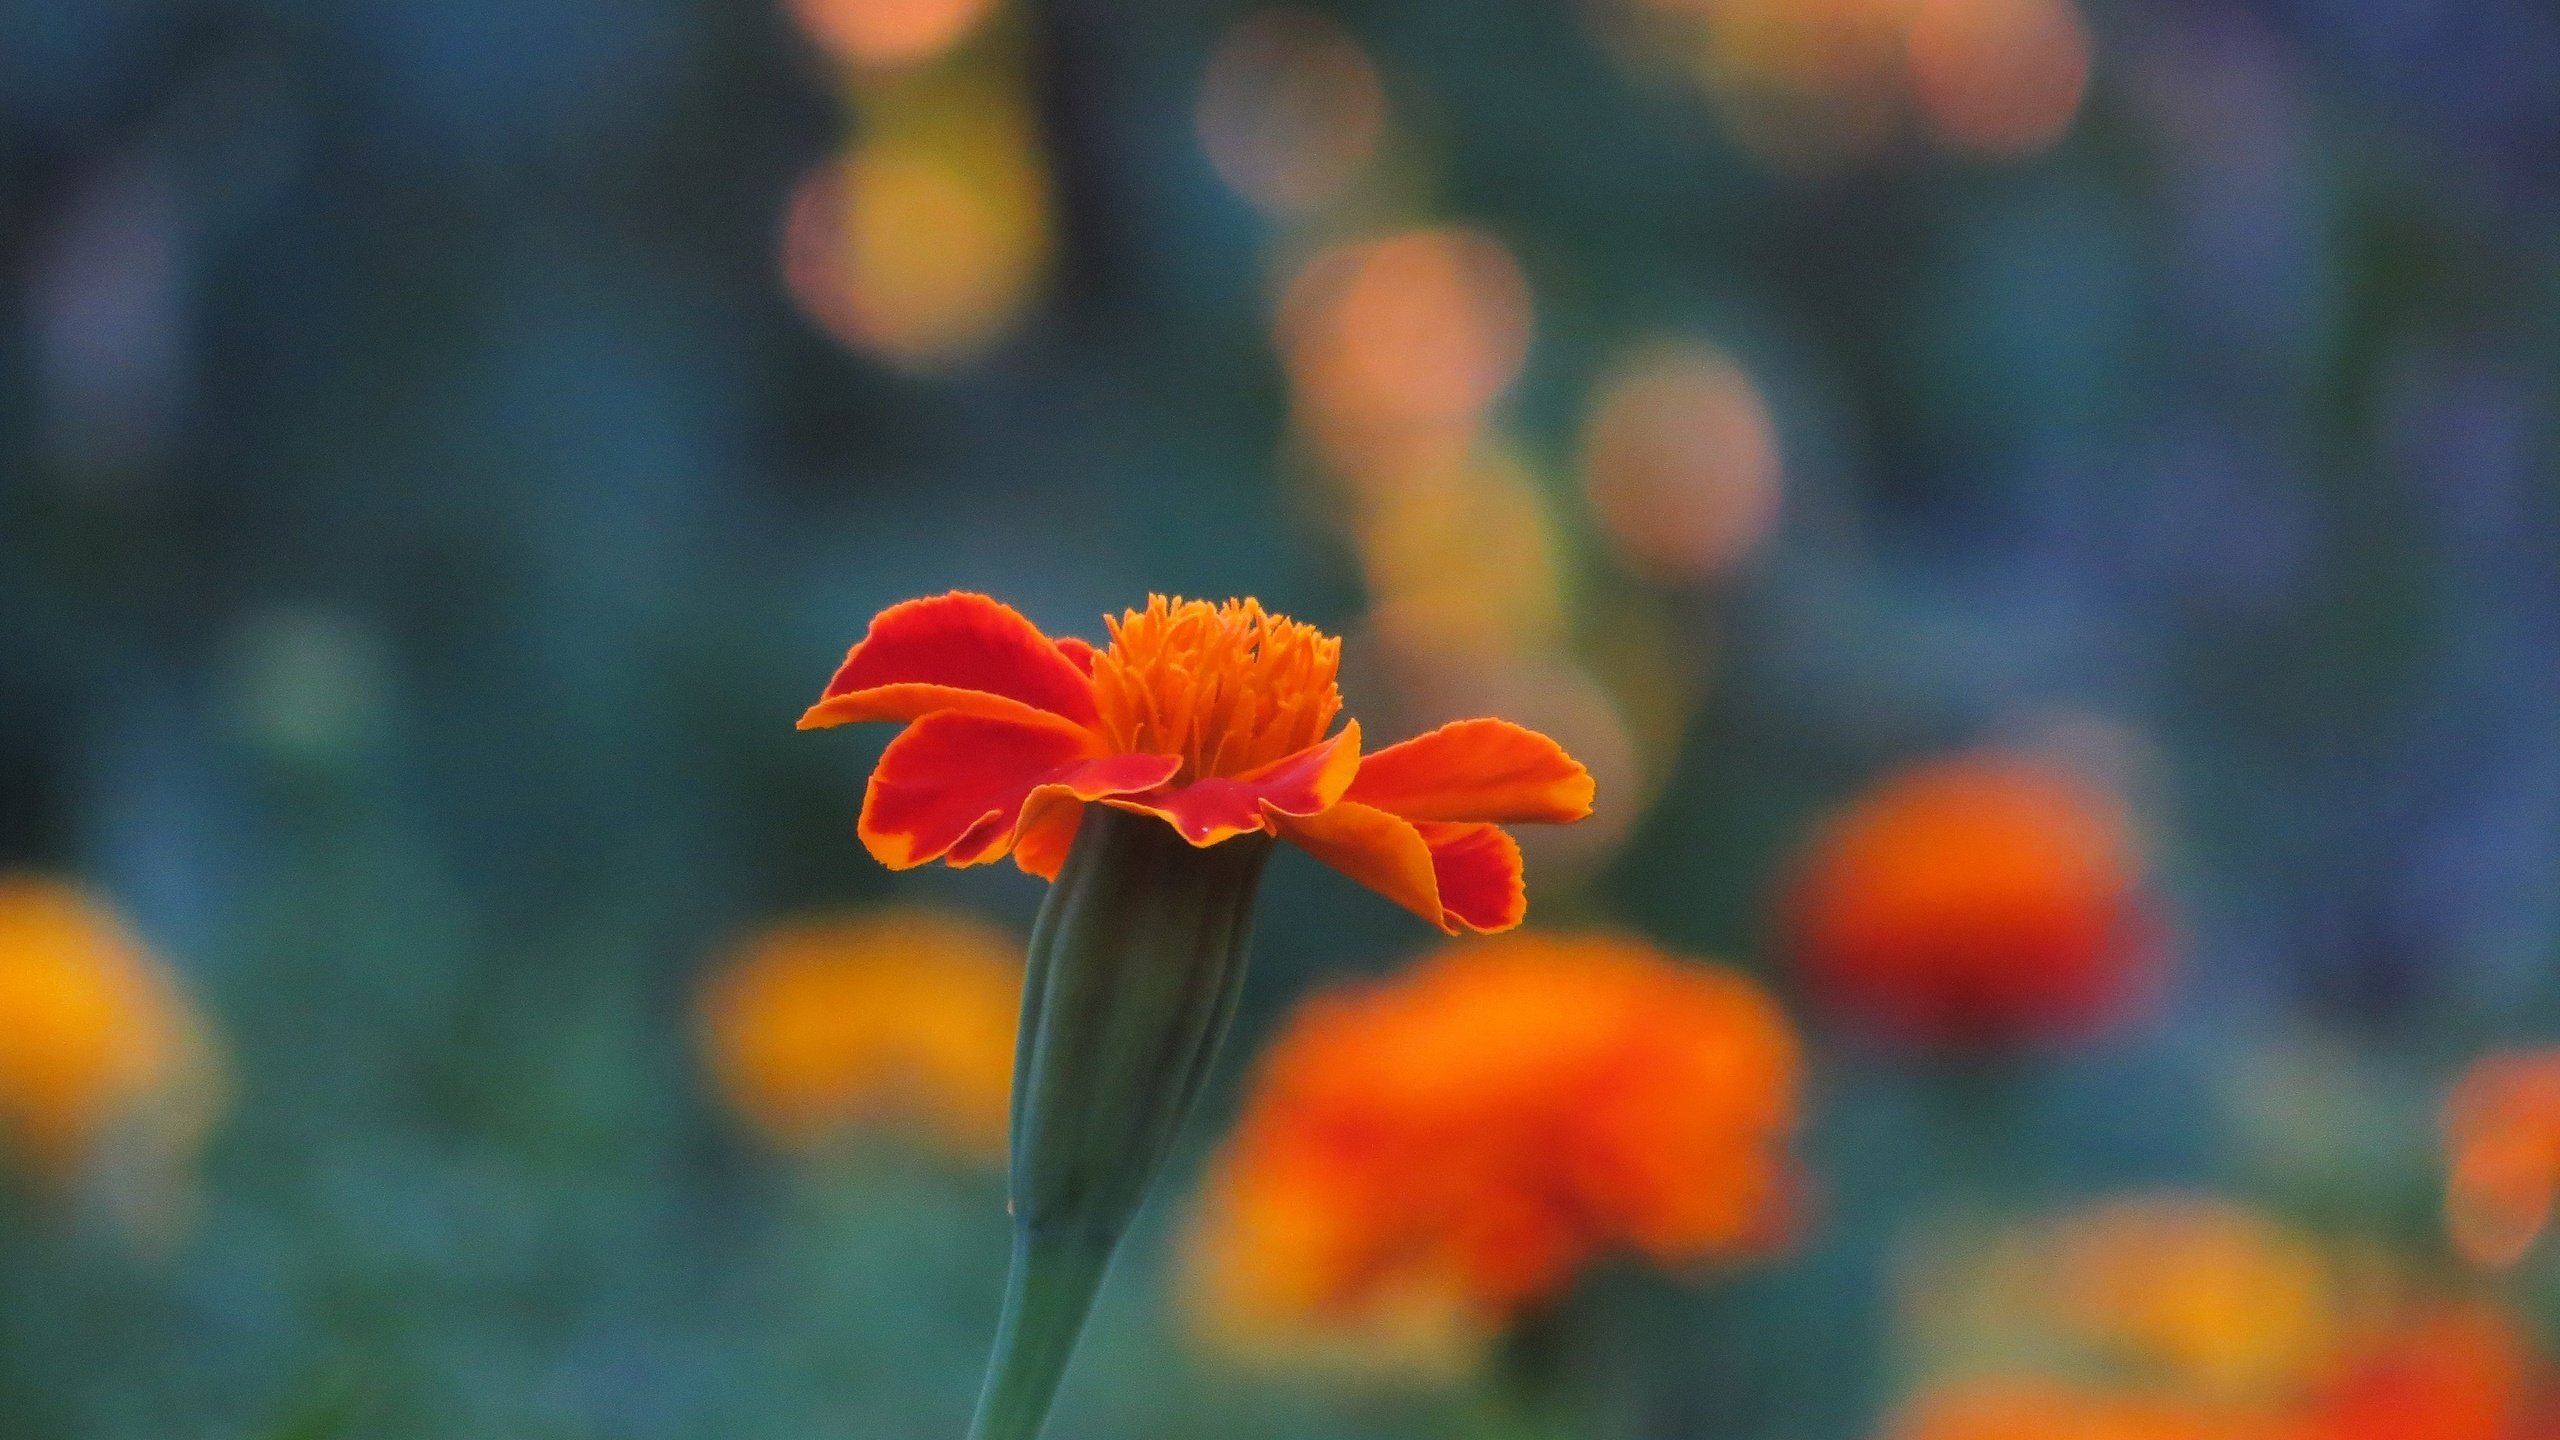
2009,1408
97,1032
819,1025
1431,1155
1215,718
2502,1144
1979,900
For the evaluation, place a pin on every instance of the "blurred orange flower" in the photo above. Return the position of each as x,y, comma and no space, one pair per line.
2453,1371
1424,1158
98,1035
2502,1144
905,1017
2011,1408
1981,900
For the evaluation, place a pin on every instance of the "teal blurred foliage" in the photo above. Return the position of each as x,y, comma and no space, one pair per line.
423,512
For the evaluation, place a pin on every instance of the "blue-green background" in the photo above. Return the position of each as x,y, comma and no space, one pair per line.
418,536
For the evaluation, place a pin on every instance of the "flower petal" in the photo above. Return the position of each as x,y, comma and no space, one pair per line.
1050,815
1451,875
1382,851
1223,807
1476,770
961,651
950,772
1079,651
955,785
1045,833
1095,779
1478,869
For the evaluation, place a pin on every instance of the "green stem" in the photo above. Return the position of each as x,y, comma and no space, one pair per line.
1134,969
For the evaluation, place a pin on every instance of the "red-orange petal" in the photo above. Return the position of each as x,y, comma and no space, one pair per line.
1222,807
1478,870
1382,851
1045,833
955,785
1476,770
1099,778
1455,876
1079,652
960,652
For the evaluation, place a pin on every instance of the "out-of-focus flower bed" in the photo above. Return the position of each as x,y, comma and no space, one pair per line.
2038,516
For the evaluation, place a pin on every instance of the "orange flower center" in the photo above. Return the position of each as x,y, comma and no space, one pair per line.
1226,687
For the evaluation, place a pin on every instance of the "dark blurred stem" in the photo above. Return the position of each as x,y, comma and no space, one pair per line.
1533,1392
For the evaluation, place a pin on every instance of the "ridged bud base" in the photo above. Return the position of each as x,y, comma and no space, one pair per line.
1133,974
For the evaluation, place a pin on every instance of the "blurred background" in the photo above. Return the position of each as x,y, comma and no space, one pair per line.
2040,515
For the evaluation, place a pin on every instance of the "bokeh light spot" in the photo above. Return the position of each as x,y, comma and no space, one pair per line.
1680,463
1421,329
922,249
1290,109
1463,558
2003,77
888,32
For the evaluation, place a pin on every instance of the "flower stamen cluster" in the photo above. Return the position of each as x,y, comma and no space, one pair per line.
1227,687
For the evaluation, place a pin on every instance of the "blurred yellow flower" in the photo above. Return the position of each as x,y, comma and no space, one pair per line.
2183,1315
1422,1159
98,1037
2188,1294
2502,1147
1802,83
2222,1298
905,1018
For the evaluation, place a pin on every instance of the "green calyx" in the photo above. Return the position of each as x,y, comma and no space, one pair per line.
1134,969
